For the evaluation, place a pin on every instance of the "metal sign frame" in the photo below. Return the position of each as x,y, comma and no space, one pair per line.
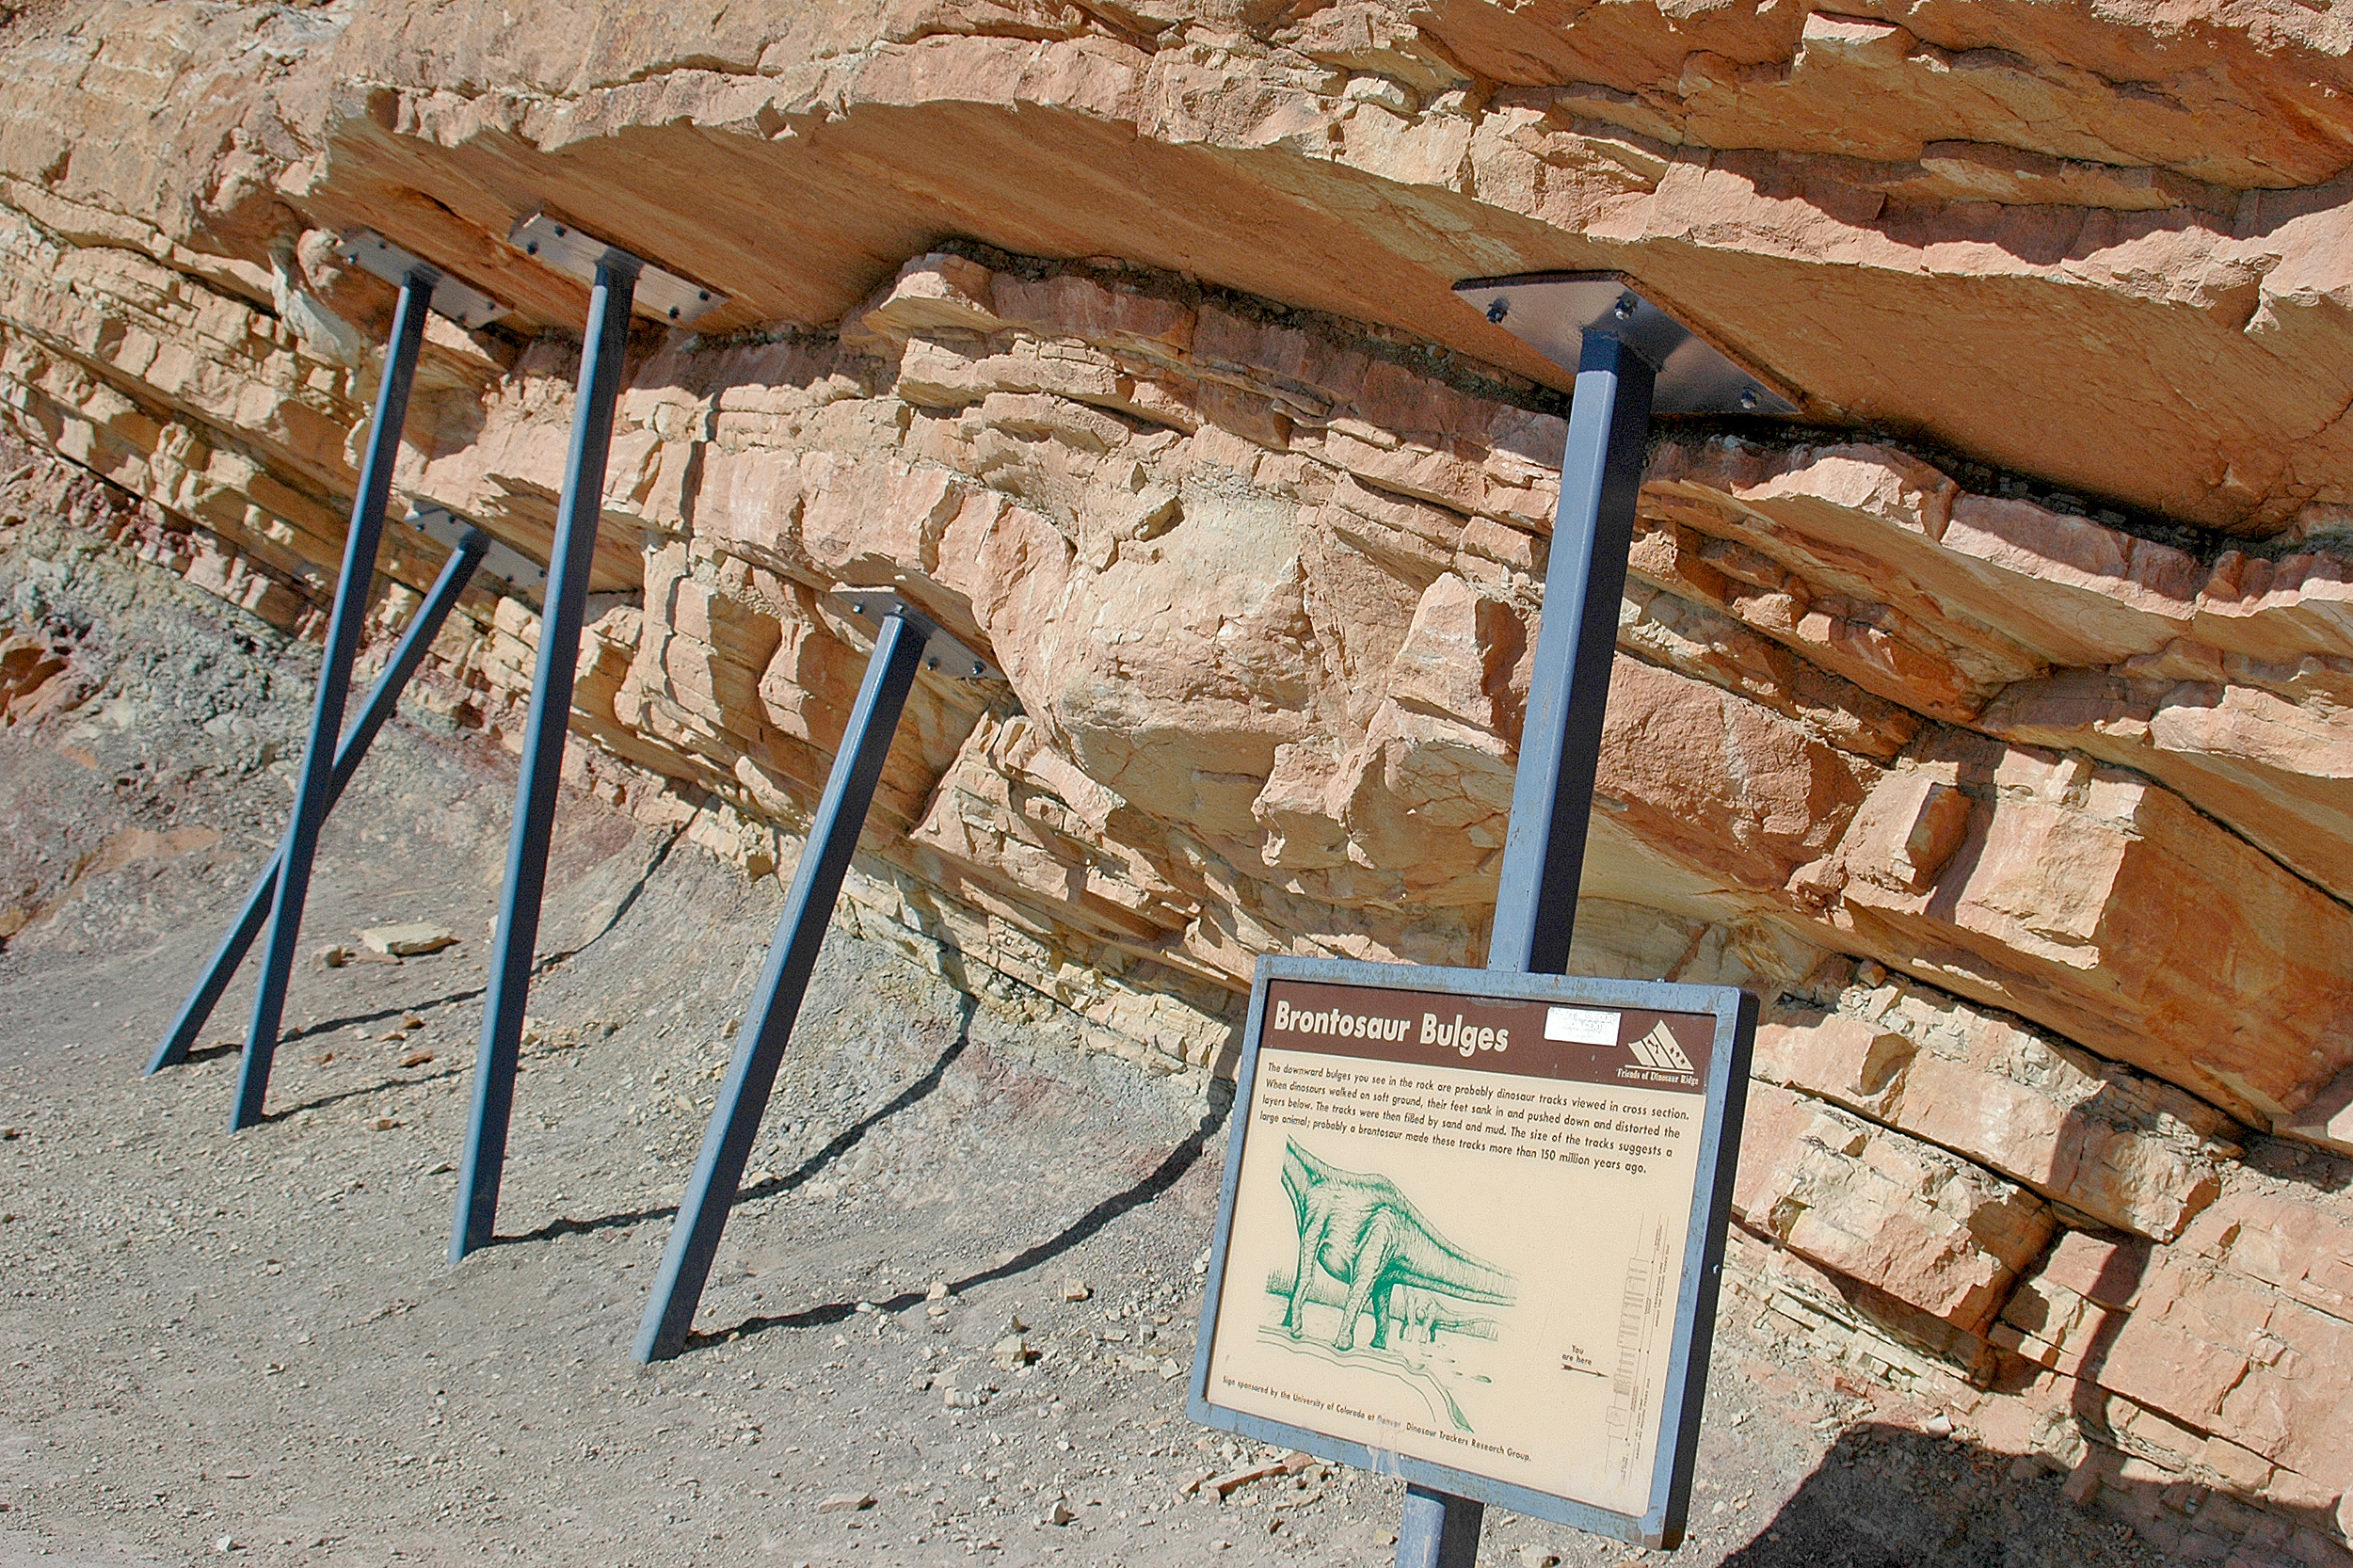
1661,1524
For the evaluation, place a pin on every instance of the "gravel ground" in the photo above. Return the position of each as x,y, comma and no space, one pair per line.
252,1346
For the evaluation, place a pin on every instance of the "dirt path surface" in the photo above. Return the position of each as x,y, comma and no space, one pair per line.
252,1347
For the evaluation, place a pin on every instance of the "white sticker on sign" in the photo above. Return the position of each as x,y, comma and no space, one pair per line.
1580,1025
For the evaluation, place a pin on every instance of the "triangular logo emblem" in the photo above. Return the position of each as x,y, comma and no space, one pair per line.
1659,1050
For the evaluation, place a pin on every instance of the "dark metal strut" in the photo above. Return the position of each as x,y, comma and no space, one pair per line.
1552,792
777,1004
382,700
544,728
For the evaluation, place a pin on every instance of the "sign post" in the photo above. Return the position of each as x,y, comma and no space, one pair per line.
1602,1152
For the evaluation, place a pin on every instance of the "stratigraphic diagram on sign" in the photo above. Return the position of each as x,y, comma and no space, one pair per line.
1462,1221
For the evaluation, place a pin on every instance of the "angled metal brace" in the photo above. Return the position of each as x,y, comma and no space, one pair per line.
314,790
382,700
905,642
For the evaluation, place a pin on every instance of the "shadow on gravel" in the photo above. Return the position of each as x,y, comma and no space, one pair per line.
1161,1178
360,1020
841,1144
362,1092
628,902
1887,1496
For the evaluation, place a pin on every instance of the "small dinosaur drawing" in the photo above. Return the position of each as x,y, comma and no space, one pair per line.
1364,1234
1420,1315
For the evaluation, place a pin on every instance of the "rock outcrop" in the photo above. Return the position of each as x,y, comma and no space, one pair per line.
1990,720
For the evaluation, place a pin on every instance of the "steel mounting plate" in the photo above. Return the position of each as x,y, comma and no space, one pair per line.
509,565
559,243
942,654
1551,311
468,307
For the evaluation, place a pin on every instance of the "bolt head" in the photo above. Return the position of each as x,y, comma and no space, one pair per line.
1499,308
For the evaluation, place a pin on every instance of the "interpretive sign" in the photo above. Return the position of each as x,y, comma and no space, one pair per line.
1472,1231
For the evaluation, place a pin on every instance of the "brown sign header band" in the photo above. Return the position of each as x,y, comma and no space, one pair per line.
1580,1043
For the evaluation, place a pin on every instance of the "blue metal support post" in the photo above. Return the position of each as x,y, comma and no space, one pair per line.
1438,1530
792,958
315,793
1552,792
549,717
382,700
1593,532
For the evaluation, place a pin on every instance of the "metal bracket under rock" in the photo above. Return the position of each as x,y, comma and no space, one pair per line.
561,244
372,252
509,565
1551,313
942,654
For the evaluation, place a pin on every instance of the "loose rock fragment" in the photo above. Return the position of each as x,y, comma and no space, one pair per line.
333,957
1060,1513
1076,1290
1290,1465
416,1058
846,1502
408,940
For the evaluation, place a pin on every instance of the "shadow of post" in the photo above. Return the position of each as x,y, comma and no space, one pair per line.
1161,1178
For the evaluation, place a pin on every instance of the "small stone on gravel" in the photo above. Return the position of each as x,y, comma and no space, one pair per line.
408,941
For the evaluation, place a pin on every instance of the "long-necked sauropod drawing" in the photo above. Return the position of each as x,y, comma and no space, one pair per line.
1364,1234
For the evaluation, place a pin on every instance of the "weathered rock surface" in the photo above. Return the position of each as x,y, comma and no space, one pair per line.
1992,723
1913,1221
2094,1137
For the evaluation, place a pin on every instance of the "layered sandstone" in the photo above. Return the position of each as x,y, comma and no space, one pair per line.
1989,721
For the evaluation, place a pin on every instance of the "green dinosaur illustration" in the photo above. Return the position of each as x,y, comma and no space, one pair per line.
1364,1234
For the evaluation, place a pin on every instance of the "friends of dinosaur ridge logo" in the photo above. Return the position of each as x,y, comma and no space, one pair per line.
1659,1050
